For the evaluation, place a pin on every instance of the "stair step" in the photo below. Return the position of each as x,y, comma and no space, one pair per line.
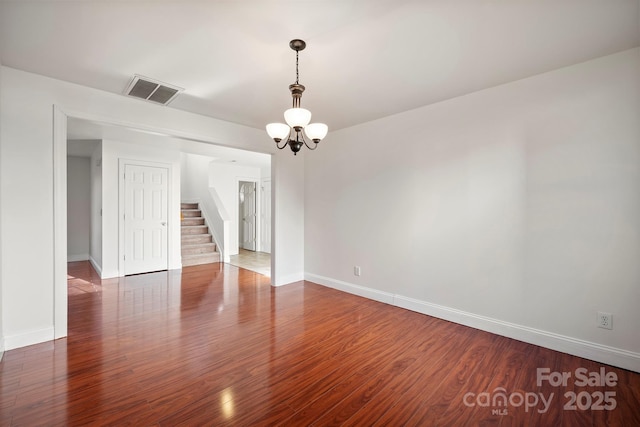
197,243
189,213
195,229
200,248
192,239
198,259
193,221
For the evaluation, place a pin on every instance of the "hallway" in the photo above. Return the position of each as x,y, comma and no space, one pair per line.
259,262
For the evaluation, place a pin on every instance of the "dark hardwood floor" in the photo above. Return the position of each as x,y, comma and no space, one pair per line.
216,345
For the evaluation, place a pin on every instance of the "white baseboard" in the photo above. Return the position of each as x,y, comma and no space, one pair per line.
96,266
80,257
589,350
285,280
350,288
28,338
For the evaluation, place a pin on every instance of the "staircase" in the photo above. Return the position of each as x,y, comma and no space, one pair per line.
197,243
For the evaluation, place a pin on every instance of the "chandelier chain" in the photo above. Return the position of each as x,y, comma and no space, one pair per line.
297,74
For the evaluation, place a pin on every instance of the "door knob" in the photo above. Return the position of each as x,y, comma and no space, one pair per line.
163,223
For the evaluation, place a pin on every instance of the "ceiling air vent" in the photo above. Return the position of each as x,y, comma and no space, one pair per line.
152,90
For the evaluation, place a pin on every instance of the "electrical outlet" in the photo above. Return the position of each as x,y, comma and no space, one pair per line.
356,270
605,320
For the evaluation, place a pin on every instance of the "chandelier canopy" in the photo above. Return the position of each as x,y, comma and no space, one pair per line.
297,118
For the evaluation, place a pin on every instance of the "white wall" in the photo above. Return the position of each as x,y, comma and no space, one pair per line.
224,178
515,209
96,208
26,137
288,197
26,127
265,173
194,172
78,208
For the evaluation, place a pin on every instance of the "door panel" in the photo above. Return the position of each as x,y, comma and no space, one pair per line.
145,219
247,232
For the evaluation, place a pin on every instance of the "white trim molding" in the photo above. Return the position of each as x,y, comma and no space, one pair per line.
60,304
589,350
350,288
96,266
80,257
286,280
28,338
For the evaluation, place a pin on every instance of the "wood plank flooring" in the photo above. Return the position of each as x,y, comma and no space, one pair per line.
216,345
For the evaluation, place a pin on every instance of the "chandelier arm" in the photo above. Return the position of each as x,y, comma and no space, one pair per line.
286,141
305,142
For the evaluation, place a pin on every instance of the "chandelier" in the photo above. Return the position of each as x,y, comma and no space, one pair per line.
297,118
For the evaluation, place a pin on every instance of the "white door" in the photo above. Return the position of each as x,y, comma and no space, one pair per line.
247,232
265,216
145,219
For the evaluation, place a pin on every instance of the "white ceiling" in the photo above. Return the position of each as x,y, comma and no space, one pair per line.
365,59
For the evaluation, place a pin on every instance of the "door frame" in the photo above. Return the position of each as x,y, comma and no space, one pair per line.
256,215
59,147
263,223
256,181
122,164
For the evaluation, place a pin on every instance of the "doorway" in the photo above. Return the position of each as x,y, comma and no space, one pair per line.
251,228
100,128
247,215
